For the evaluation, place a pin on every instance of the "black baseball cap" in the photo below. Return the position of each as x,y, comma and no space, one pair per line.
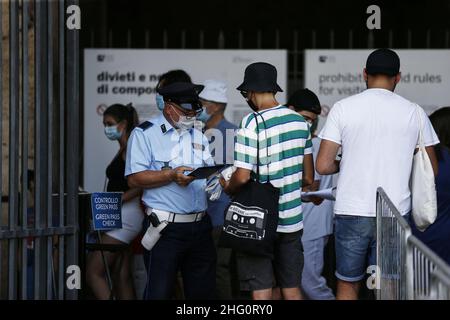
383,61
305,100
182,93
260,77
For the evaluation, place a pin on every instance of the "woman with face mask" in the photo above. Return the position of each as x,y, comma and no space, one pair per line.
119,121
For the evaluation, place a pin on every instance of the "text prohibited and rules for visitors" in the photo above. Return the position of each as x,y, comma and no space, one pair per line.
106,210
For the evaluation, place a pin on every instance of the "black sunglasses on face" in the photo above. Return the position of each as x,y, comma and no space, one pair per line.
187,109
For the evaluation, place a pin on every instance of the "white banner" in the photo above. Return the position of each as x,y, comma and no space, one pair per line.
130,75
336,74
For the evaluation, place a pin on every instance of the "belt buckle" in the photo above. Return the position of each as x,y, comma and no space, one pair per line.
199,216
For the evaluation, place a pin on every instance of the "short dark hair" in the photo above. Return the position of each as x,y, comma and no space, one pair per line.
305,100
173,76
440,119
121,112
383,61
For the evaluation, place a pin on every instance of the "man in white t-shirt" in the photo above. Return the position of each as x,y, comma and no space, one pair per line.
378,132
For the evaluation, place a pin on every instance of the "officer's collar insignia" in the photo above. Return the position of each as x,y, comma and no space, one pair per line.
163,128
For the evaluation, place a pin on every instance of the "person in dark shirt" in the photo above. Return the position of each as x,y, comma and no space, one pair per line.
437,235
119,121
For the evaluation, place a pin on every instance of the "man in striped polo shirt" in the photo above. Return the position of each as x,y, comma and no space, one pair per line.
287,163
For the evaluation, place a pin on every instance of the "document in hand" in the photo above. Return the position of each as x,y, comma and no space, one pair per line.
327,194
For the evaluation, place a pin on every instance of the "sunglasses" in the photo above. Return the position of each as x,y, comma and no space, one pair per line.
189,109
244,94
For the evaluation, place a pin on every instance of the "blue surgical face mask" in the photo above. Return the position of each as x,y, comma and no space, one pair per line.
160,102
112,133
184,122
204,116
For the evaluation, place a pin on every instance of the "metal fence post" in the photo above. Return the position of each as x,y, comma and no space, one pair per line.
221,40
147,38
409,38
62,137
241,39
13,143
165,39
331,39
128,38
201,39
409,266
379,257
350,39
447,38
41,158
183,39
390,38
295,57
51,290
73,154
1,142
258,39
24,193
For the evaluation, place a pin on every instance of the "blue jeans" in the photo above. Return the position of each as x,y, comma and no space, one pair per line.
355,246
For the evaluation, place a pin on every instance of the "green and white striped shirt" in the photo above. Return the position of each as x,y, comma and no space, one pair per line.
284,139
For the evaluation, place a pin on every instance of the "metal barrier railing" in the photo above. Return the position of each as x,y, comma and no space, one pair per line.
392,234
408,269
440,286
431,273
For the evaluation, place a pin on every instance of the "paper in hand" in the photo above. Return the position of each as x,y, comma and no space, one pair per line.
327,194
228,172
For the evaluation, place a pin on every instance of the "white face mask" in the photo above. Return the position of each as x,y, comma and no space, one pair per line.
184,122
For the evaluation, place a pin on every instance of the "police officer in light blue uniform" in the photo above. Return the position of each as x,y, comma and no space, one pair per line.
160,153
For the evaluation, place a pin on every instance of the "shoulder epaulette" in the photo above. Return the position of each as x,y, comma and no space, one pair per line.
145,125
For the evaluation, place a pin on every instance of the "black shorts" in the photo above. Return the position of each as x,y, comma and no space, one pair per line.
284,271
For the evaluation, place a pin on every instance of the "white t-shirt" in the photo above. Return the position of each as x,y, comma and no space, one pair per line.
378,131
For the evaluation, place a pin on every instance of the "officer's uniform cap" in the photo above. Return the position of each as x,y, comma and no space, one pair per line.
182,93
